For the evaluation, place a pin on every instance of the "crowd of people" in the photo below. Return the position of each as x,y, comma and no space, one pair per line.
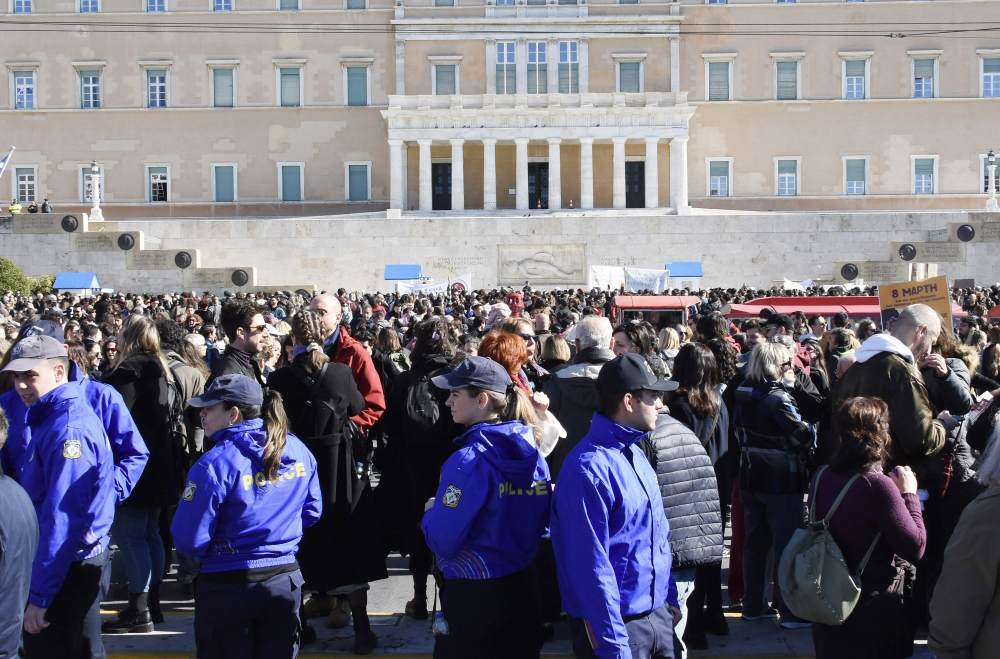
535,461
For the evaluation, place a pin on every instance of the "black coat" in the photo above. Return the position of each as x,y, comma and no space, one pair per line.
143,385
690,496
235,362
343,547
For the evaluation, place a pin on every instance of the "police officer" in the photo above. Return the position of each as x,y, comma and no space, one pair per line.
488,518
242,513
69,477
609,531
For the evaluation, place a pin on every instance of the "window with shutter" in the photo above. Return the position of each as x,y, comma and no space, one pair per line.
289,5
628,2
718,81
224,180
537,68
290,85
357,176
923,78
628,77
222,82
506,68
569,68
291,183
357,85
786,177
923,175
444,3
991,78
788,87
855,176
718,171
356,4
855,83
444,79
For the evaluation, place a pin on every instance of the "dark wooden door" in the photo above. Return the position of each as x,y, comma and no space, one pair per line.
441,180
635,185
538,185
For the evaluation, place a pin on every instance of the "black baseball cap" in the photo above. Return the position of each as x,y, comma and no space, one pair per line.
478,372
233,388
781,320
42,328
32,351
630,372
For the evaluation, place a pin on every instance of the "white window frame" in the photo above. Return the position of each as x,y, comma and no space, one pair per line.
570,52
166,7
798,174
868,172
280,64
345,6
787,57
496,63
984,54
347,178
629,58
357,63
913,173
80,67
214,64
729,58
13,68
708,176
277,6
982,174
854,56
302,180
145,181
528,63
11,3
154,65
211,7
79,7
236,176
85,169
12,167
926,54
446,60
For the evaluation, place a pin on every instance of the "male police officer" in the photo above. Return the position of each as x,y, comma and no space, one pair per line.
69,477
609,531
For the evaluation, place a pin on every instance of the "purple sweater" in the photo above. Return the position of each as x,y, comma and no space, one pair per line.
872,504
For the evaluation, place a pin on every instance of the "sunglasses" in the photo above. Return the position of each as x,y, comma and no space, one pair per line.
788,364
256,328
529,337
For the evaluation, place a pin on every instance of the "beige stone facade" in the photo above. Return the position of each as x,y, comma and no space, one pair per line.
648,97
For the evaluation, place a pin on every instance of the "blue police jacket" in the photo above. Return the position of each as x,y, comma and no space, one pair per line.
609,534
69,476
492,506
232,517
127,446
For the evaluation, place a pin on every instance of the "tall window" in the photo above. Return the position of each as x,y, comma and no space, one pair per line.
156,85
923,176
290,176
923,78
223,5
855,79
357,182
90,89
986,177
89,7
569,68
787,178
87,187
22,6
444,79
357,85
25,184
156,5
855,175
222,88
159,184
537,68
718,81
991,78
291,87
629,79
787,81
718,178
224,183
506,69
24,90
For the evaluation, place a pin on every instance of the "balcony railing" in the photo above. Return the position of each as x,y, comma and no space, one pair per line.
536,101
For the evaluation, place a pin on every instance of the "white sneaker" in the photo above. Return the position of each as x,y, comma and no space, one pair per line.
795,624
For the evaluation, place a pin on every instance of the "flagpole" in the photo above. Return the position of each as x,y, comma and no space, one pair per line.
3,163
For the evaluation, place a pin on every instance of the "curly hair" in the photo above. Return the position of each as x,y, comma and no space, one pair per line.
725,359
862,424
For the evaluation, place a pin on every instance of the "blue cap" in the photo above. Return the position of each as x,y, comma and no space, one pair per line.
42,328
478,372
234,388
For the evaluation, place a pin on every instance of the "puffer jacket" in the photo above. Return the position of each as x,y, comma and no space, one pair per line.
953,391
775,442
687,484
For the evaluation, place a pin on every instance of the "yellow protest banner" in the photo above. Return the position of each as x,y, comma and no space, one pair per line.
893,298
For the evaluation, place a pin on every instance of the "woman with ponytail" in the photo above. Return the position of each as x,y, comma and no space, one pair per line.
343,552
242,513
488,517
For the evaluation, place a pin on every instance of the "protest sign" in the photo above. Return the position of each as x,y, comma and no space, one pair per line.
893,298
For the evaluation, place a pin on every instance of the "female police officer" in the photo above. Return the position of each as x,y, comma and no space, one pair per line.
488,518
242,513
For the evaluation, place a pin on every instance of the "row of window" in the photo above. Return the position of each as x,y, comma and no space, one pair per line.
856,172
291,182
855,72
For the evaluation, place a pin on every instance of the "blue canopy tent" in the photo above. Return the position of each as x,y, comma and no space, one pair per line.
77,283
402,272
686,269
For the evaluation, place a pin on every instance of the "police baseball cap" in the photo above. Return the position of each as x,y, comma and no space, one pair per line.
630,372
31,351
478,372
234,388
42,328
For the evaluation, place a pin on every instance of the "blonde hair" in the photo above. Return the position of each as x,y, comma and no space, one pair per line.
139,336
512,325
766,361
512,406
668,339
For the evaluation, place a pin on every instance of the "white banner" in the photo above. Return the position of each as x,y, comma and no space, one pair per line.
604,276
462,283
638,279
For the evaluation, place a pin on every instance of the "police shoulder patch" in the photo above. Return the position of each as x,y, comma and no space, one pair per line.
451,496
189,490
72,449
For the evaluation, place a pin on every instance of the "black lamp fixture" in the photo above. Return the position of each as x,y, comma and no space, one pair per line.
95,170
990,158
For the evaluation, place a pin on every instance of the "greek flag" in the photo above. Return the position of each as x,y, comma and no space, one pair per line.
3,163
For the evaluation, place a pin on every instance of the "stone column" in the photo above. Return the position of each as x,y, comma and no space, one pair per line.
679,175
396,181
457,175
491,67
586,173
521,199
400,67
675,64
583,57
652,173
521,65
489,174
555,174
618,181
426,185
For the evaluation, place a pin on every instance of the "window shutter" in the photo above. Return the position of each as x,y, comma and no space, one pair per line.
718,81
991,66
718,168
855,68
786,166
355,4
357,85
628,77
289,5
290,87
223,83
855,170
924,167
628,2
290,182
445,77
787,81
444,3
224,184
358,180
923,68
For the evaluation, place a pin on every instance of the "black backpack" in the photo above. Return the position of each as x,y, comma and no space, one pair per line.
422,405
177,429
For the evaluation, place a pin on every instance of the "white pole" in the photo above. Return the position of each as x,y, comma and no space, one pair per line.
991,203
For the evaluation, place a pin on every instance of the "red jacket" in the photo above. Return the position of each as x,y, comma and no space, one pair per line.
736,346
348,351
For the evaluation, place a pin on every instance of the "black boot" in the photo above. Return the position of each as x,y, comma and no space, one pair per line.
365,640
154,604
134,619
